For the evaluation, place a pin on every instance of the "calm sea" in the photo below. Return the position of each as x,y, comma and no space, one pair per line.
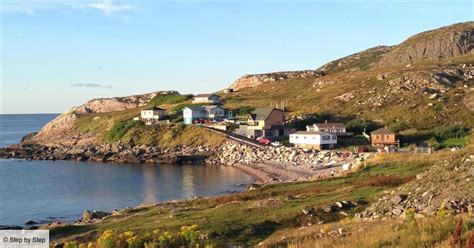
62,190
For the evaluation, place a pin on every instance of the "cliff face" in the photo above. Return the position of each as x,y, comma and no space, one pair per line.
446,42
61,128
253,80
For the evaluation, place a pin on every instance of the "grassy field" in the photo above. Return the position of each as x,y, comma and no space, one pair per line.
250,217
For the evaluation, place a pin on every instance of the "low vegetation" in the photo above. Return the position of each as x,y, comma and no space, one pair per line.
169,99
266,210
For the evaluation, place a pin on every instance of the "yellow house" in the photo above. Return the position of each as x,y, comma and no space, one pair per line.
265,118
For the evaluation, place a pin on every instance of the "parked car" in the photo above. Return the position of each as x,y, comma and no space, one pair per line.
361,149
276,143
264,141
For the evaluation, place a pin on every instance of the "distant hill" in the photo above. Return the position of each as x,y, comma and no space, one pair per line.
425,81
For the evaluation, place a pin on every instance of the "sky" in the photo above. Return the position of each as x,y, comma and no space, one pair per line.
56,54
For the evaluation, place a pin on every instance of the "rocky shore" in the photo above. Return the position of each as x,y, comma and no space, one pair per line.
114,152
232,153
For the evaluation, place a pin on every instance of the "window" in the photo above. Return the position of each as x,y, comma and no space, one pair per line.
334,137
325,137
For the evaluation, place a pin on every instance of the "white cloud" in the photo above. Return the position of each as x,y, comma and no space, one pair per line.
91,85
32,7
108,7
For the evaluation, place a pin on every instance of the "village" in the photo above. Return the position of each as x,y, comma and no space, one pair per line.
268,126
263,140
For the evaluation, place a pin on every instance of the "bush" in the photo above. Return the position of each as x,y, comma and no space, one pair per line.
433,142
399,126
356,125
448,132
106,240
243,110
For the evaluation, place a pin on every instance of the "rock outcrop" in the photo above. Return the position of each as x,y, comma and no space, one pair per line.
446,42
253,80
446,187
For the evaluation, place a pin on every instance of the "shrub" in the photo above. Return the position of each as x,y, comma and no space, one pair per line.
244,110
448,132
106,240
356,125
71,244
399,126
190,234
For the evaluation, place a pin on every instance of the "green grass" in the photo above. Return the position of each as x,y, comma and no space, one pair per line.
168,99
250,217
119,129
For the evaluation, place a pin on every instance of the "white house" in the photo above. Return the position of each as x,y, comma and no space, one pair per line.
190,114
312,139
153,115
334,128
207,99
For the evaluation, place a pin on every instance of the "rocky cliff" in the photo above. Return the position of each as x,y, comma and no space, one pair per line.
62,126
253,80
446,42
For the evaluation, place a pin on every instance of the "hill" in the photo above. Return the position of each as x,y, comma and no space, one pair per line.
425,81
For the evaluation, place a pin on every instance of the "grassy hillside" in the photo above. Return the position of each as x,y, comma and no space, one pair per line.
120,126
370,96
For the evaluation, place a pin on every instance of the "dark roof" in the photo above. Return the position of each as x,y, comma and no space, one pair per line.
195,108
310,132
209,107
155,108
261,114
329,125
383,130
205,95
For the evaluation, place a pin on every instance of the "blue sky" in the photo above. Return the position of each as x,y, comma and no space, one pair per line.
57,54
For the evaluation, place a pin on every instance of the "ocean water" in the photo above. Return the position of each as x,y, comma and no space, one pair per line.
61,190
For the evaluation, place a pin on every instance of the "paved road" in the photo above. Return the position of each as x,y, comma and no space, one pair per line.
238,138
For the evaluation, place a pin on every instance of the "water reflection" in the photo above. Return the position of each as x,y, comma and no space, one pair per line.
188,182
150,187
36,190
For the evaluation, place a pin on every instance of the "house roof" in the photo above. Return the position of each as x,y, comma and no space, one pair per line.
211,107
262,113
330,124
195,108
200,108
155,108
310,132
205,95
383,130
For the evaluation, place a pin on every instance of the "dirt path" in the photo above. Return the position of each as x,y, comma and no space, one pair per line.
268,171
265,172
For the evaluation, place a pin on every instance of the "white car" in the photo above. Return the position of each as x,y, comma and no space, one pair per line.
276,143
